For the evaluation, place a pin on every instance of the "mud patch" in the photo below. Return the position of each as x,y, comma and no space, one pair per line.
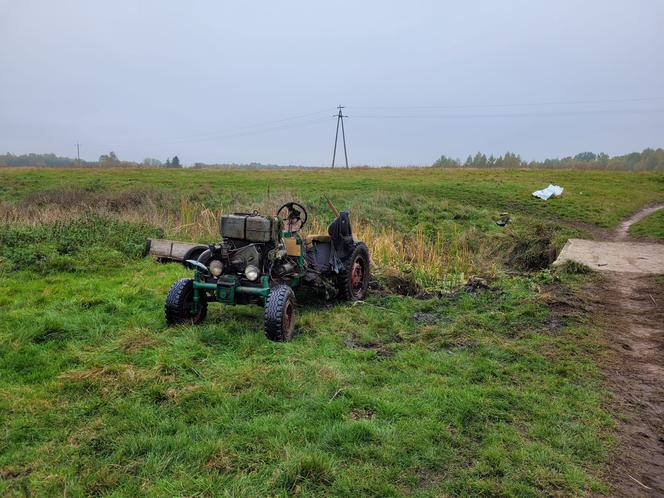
566,305
380,346
632,310
426,317
475,284
402,284
362,414
14,472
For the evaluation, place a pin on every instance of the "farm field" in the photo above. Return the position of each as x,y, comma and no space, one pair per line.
439,383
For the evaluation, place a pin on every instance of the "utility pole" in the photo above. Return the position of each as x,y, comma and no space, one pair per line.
340,119
78,152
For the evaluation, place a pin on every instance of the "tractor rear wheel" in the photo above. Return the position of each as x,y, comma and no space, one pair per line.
280,314
180,303
353,282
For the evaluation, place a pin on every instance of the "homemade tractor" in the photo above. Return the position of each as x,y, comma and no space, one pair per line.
260,259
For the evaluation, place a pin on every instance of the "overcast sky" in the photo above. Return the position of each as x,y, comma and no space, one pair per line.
220,81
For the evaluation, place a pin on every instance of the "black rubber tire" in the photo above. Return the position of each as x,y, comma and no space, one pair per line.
195,252
179,301
280,314
348,289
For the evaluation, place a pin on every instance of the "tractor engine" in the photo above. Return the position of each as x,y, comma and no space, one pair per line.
250,246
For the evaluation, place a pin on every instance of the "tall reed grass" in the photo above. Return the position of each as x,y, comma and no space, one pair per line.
435,260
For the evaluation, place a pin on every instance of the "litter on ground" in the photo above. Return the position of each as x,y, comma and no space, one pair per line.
548,192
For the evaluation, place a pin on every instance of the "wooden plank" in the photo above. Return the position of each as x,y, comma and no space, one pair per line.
179,249
160,247
170,249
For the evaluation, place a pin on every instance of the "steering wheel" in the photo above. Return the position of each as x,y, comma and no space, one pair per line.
292,218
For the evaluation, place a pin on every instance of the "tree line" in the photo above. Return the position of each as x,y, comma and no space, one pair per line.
105,160
646,160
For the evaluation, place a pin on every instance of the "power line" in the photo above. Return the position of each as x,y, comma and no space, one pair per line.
256,132
507,115
340,119
230,135
517,104
233,130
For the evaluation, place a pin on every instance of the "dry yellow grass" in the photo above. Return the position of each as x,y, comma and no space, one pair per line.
435,260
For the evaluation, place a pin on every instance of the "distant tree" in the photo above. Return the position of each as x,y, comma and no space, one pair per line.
603,158
446,162
149,161
109,159
469,161
479,161
511,160
175,163
168,162
585,157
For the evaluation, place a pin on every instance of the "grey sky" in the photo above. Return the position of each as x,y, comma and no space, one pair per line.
158,78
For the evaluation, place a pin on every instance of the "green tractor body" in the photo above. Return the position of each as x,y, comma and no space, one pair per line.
260,259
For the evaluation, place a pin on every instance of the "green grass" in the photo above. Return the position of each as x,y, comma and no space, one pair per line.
651,226
99,397
596,197
471,393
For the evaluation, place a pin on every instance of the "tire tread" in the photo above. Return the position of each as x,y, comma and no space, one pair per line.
344,282
275,304
174,307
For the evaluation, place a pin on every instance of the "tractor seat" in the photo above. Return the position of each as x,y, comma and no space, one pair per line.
310,239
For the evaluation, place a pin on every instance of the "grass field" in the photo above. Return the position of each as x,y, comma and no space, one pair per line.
652,226
457,391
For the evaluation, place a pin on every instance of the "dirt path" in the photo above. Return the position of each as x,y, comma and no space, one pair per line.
629,303
631,307
622,232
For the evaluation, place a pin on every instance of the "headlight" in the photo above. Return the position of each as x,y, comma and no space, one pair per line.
216,267
251,272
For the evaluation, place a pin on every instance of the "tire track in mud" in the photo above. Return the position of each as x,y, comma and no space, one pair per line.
631,308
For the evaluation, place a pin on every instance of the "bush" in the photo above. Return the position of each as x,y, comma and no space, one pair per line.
82,244
534,247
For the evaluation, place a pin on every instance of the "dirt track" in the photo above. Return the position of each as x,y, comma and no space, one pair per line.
622,232
630,305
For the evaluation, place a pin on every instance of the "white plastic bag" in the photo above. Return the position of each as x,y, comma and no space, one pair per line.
548,192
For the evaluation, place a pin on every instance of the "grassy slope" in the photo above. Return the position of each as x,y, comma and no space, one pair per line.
598,197
479,393
651,226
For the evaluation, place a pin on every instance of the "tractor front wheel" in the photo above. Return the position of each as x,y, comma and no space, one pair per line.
179,306
280,314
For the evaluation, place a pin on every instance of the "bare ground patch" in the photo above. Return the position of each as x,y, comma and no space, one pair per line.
631,308
628,303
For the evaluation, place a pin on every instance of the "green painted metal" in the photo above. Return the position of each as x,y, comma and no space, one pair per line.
204,285
256,291
230,285
226,293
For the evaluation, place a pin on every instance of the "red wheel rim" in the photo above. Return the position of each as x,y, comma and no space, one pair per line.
288,317
357,277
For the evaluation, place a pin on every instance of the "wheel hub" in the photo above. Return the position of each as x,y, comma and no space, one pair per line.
357,277
288,317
